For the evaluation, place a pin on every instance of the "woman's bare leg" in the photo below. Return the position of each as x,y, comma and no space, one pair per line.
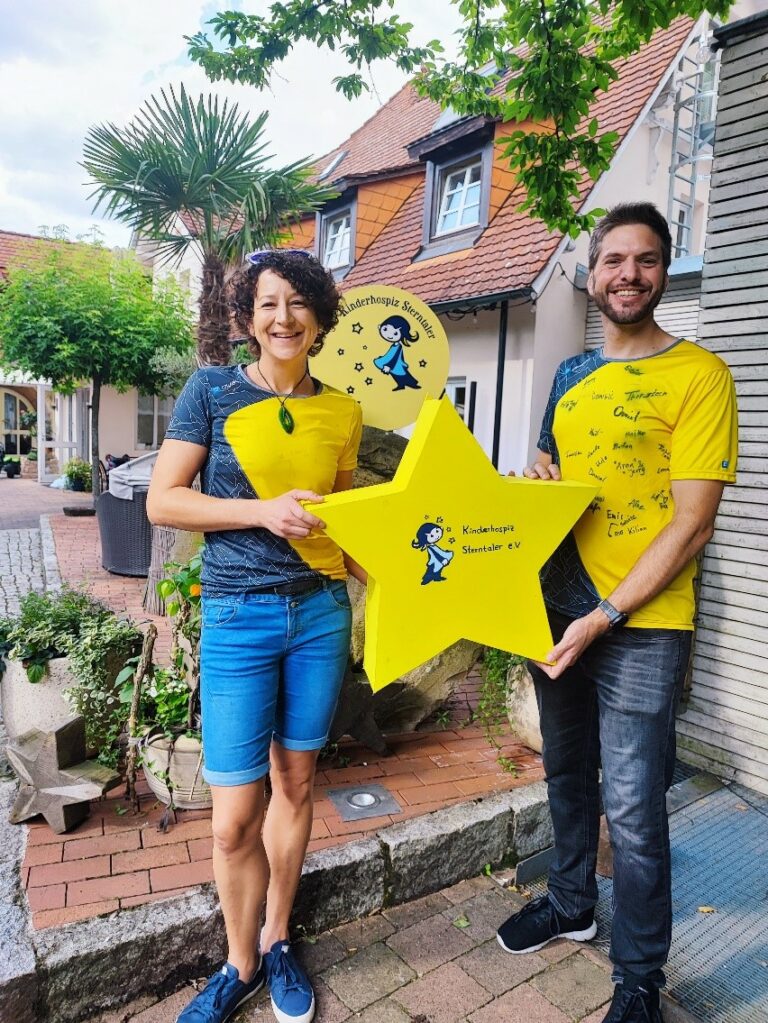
286,834
240,868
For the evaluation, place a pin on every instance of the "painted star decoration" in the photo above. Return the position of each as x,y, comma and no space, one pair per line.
425,593
56,779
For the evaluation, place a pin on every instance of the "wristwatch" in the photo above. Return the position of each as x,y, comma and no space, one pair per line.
615,617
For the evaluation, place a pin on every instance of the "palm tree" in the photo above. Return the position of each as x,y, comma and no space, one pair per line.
194,175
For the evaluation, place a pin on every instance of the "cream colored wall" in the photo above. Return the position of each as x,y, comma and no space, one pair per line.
117,423
474,351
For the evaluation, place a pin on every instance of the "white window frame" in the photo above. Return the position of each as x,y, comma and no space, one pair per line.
452,386
447,175
341,253
157,413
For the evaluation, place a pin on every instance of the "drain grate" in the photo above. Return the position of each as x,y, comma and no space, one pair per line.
718,967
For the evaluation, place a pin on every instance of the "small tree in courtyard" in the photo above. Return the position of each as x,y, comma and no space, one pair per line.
74,313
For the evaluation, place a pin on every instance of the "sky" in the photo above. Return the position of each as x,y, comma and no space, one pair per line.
66,65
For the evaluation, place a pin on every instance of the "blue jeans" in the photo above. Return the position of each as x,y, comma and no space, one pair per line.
615,707
271,667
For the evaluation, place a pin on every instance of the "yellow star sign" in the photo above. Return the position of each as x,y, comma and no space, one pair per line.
452,549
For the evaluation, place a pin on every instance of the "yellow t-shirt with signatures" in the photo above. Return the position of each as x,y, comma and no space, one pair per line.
633,427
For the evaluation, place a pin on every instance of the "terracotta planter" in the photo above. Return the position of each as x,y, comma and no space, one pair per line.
190,791
40,704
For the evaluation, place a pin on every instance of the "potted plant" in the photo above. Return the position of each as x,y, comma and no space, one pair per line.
171,745
78,474
63,654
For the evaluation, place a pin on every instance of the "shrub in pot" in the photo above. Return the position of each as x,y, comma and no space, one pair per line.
78,474
63,655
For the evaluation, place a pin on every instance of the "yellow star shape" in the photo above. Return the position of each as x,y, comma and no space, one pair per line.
452,549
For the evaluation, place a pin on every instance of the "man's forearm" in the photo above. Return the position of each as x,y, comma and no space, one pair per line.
668,554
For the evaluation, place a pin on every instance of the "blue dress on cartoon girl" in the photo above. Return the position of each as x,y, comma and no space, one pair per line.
396,331
427,536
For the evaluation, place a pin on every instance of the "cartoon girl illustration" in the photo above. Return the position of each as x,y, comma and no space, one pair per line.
427,536
396,331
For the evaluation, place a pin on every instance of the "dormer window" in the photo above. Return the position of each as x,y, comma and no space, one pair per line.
338,240
336,235
459,202
456,196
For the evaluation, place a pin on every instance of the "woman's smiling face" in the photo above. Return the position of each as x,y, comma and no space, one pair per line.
284,324
434,534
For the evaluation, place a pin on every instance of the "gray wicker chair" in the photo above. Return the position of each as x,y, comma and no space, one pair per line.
126,534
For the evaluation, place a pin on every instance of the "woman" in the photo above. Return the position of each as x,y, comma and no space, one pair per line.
276,616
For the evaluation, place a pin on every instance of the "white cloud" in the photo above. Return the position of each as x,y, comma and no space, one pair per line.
65,67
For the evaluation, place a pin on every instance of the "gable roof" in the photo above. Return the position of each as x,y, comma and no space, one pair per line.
514,247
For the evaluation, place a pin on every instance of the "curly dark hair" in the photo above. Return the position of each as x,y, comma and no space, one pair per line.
305,273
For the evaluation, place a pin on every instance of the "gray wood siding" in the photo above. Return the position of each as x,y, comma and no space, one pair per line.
724,727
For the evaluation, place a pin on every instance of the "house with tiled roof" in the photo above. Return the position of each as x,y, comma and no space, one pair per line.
426,202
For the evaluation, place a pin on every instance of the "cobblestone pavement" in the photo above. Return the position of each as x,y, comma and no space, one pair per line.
435,960
21,566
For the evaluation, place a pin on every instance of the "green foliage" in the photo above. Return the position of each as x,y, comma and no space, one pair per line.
571,48
73,313
72,624
491,709
167,701
78,471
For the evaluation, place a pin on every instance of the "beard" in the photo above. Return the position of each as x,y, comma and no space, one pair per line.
642,312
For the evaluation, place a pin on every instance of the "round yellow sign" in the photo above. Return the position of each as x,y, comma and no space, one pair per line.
389,351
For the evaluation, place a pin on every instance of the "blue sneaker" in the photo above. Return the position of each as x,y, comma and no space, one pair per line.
222,996
293,1000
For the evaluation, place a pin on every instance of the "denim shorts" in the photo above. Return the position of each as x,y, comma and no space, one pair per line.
271,667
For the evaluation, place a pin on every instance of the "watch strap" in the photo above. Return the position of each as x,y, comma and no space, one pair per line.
615,617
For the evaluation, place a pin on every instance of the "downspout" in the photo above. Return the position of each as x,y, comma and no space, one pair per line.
501,359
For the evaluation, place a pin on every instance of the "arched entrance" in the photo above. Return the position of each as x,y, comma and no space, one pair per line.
16,422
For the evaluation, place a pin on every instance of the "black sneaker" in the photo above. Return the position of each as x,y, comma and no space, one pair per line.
538,923
634,1004
222,996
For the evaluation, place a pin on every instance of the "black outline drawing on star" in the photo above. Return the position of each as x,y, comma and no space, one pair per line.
369,381
350,390
339,351
357,328
423,363
359,367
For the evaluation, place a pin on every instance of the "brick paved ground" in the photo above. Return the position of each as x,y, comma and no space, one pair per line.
22,502
434,960
116,859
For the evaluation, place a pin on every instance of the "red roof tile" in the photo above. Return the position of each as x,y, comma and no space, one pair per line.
514,248
11,244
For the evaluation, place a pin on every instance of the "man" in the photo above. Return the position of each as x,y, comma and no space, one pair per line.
652,419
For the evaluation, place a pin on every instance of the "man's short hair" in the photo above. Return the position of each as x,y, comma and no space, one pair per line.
631,213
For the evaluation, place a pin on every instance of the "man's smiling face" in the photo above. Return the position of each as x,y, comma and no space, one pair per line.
628,279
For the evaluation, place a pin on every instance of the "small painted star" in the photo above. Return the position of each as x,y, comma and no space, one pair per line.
369,381
452,539
423,363
350,390
365,348
340,351
359,367
357,328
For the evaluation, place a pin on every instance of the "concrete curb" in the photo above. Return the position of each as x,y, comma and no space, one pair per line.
51,574
66,974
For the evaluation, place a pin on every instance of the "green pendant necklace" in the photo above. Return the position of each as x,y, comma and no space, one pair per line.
284,417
